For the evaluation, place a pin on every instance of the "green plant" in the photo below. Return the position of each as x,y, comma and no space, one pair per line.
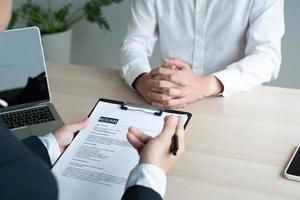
53,21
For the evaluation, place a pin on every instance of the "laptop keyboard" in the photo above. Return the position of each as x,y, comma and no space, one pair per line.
28,117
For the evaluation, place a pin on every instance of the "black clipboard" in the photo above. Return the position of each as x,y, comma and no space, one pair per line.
139,108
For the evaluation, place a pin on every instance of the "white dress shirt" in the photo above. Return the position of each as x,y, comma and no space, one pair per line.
238,41
146,175
51,145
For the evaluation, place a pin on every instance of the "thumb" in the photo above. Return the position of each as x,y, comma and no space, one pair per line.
78,125
178,63
169,128
180,131
169,66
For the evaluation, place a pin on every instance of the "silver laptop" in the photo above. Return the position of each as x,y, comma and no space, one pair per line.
25,100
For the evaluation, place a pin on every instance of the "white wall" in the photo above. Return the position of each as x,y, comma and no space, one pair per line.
94,47
290,70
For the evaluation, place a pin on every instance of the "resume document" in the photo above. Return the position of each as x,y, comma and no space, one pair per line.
97,163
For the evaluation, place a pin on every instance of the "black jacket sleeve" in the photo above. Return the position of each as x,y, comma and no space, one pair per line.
36,146
23,175
140,193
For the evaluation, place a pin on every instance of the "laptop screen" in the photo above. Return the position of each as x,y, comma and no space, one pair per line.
22,71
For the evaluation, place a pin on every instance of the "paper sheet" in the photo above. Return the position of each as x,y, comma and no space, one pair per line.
97,163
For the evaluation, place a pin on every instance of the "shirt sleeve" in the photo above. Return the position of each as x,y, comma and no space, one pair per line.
150,176
52,146
138,44
263,50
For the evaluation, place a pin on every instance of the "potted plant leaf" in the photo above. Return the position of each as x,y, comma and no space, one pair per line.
56,25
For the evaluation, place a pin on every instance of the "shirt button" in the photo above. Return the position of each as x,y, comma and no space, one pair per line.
199,39
199,13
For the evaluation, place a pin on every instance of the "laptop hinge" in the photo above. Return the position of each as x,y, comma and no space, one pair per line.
25,108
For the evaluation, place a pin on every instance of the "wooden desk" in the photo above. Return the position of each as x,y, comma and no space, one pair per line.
237,147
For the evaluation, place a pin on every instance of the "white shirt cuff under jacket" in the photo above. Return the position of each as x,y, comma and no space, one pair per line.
150,176
52,146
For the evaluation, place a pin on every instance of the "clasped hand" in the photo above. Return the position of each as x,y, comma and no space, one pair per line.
174,85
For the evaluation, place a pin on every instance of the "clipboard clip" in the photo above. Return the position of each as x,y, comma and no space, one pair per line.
142,108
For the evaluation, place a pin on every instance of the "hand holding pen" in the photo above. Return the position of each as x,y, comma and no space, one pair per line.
157,151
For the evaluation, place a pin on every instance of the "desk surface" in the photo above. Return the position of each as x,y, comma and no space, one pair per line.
237,147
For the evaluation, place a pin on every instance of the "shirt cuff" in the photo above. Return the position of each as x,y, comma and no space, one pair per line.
134,72
52,146
230,78
150,176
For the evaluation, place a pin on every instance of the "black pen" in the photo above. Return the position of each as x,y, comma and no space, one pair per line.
174,144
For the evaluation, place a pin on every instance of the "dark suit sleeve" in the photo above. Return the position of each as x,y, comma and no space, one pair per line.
140,193
23,175
36,145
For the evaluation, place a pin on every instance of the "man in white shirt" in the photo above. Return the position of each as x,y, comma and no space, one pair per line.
207,47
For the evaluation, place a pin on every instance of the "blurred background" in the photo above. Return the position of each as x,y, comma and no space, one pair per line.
92,46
